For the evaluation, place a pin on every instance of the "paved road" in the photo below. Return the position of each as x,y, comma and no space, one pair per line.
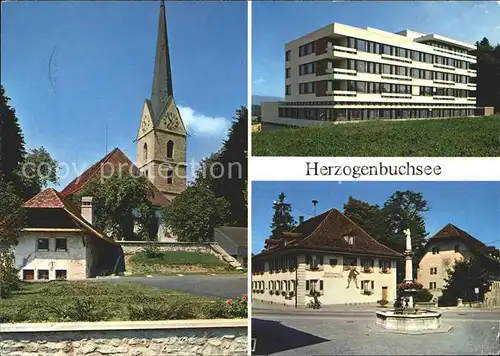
224,286
350,333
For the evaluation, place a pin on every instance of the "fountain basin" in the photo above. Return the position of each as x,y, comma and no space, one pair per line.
418,321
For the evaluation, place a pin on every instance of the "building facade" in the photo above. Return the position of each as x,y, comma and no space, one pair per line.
161,139
60,242
448,245
343,73
328,254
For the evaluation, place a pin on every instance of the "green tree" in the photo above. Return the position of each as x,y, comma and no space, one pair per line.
369,217
463,277
121,202
229,180
12,150
282,217
11,223
488,74
36,171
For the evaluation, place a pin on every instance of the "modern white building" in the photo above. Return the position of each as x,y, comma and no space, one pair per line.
342,73
328,254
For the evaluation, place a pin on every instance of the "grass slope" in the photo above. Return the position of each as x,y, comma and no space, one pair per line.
457,137
91,301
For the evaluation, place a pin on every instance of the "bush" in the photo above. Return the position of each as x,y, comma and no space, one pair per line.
82,310
178,310
232,308
152,251
423,295
9,278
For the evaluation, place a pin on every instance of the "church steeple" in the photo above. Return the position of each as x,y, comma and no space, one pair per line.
162,79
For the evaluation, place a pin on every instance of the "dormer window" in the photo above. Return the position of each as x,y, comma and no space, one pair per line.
349,239
435,250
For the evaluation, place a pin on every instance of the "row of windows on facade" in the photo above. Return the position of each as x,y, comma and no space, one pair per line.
170,150
43,274
43,244
379,88
378,48
435,250
324,114
317,261
311,285
379,68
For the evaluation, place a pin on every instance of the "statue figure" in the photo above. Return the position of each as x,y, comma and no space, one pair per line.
407,232
353,276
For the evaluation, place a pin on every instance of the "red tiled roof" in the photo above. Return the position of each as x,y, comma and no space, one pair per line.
49,198
110,163
326,232
451,231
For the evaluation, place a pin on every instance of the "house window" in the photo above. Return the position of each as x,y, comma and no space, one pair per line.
314,261
145,151
42,244
385,266
288,90
435,250
350,262
288,72
367,265
170,149
287,55
457,248
28,274
333,262
432,285
61,245
434,270
61,274
314,285
367,287
43,274
170,176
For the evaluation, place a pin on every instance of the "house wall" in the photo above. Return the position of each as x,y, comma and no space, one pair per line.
335,281
73,260
442,261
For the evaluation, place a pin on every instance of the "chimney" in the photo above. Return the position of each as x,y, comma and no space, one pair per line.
301,219
86,209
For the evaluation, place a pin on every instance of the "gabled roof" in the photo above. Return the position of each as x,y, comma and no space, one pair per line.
51,199
327,231
112,162
450,231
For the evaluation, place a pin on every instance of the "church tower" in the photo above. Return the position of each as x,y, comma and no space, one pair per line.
161,140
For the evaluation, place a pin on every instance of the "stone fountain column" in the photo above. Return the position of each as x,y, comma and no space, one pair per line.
408,264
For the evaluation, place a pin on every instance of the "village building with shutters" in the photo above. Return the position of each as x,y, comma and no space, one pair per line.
328,254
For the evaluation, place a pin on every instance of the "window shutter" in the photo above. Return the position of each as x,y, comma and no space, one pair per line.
321,285
372,263
373,285
308,259
307,285
320,260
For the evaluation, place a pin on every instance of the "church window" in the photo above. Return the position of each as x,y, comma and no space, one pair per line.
145,151
170,176
170,149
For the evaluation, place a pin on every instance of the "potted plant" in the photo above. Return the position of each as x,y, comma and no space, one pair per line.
367,292
292,294
277,292
283,294
382,302
271,292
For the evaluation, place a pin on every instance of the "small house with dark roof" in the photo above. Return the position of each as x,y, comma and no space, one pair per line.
444,248
60,242
328,254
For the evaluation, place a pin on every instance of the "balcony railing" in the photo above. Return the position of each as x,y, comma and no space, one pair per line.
341,92
396,76
443,97
448,82
396,58
472,85
341,71
395,95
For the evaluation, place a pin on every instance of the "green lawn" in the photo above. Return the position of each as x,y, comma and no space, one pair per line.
457,137
174,262
96,301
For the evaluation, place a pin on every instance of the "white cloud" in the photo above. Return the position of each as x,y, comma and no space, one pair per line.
259,80
202,125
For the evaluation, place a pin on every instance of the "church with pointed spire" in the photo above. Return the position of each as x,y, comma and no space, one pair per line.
161,139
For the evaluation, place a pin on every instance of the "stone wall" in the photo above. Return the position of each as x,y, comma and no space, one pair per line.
202,337
492,298
131,247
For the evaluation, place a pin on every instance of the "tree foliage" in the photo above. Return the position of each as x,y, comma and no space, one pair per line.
488,74
193,215
121,202
37,170
463,277
282,216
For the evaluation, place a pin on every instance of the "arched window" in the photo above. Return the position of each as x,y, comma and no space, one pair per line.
170,149
145,151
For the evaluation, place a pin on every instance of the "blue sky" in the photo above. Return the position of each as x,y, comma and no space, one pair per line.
102,57
471,206
276,23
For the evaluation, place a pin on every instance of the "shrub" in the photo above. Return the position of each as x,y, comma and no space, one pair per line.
367,292
81,310
423,295
152,251
177,310
9,278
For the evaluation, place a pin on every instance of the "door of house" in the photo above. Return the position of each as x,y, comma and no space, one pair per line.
28,274
384,293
